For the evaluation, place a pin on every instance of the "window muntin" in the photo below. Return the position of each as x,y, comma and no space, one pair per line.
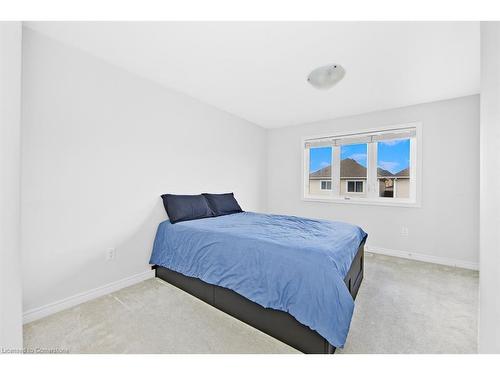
394,148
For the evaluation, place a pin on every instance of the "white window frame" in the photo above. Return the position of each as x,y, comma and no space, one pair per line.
321,185
354,192
371,186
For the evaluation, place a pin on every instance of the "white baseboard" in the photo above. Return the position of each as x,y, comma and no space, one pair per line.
51,308
424,258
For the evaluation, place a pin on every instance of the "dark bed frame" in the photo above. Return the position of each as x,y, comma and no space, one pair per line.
278,324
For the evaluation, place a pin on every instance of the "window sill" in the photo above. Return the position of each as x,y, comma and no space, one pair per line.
364,201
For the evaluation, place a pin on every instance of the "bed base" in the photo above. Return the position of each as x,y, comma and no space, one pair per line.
275,323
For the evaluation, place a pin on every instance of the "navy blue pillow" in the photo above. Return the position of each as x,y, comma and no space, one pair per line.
186,207
223,204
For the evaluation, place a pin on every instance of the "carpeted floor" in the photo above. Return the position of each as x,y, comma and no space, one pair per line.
403,306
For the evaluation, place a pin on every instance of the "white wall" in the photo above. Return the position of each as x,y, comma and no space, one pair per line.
446,226
100,145
489,281
10,258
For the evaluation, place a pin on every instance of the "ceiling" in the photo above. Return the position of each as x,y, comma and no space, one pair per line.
258,70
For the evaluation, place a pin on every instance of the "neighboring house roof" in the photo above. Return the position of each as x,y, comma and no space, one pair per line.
348,168
325,172
351,168
383,172
404,173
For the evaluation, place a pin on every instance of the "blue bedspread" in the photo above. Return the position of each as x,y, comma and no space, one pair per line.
286,263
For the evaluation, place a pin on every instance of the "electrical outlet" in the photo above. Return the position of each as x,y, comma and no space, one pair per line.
404,231
110,254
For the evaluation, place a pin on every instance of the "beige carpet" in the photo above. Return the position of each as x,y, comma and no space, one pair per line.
403,306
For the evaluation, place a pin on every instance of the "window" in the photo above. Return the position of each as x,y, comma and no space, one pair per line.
376,166
326,185
355,186
353,171
393,168
320,167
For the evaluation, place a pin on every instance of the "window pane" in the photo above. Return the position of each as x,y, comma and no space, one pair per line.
320,169
353,159
326,185
359,186
393,168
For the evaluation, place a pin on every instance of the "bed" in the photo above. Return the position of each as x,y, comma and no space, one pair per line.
293,278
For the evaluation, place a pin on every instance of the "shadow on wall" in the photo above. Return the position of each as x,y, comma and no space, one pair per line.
138,246
131,258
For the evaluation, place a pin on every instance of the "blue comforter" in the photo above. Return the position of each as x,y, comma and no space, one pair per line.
286,263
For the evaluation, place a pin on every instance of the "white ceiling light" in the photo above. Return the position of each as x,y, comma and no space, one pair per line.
326,76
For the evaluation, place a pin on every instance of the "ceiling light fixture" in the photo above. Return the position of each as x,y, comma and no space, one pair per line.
326,76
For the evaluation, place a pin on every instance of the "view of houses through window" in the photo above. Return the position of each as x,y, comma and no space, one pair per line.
393,169
320,165
353,171
377,168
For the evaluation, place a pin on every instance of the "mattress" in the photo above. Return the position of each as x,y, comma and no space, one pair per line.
287,263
